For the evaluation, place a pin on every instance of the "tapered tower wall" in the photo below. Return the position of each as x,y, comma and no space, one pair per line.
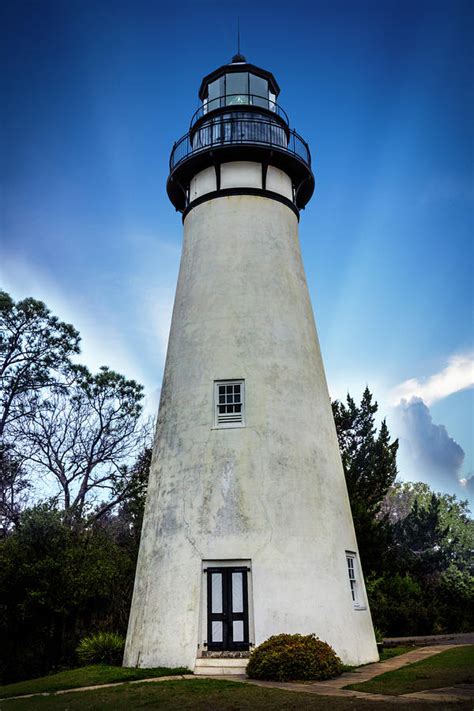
271,492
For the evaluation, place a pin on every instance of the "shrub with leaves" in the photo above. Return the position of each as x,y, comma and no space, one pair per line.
289,657
101,648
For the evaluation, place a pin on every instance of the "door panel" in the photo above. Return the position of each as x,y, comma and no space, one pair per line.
227,609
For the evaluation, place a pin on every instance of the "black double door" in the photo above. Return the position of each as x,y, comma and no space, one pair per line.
227,609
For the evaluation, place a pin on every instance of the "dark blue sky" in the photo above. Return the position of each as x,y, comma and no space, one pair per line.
93,96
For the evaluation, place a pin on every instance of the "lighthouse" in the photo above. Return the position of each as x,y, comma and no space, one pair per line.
247,528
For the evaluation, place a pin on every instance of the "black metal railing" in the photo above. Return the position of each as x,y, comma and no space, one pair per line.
234,129
239,100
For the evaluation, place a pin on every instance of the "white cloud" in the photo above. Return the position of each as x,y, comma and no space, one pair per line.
457,375
427,452
467,484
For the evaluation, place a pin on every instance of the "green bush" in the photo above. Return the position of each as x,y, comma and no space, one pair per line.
289,657
101,648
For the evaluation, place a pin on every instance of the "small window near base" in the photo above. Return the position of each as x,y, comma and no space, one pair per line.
229,403
353,571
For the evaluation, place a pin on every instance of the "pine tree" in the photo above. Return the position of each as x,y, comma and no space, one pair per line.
370,467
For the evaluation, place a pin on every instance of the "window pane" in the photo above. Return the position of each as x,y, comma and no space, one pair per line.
237,388
217,631
238,630
216,90
238,408
216,592
237,88
237,593
222,399
353,590
259,89
229,388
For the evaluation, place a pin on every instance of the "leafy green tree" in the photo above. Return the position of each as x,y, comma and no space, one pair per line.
35,347
57,585
399,605
454,518
429,588
455,600
421,540
369,461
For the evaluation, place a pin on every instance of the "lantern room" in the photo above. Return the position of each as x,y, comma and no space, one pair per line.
237,84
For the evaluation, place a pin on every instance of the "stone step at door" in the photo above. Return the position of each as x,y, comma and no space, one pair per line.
220,666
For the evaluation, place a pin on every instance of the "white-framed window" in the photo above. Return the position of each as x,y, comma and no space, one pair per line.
229,403
353,572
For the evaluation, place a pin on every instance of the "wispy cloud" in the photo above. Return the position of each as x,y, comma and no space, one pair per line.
102,343
457,375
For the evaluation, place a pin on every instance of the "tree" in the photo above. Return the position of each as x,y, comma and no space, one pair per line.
133,505
57,585
454,518
430,588
370,467
34,348
421,539
13,488
125,523
82,436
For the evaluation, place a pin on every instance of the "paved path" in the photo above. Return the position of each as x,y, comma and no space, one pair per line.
334,687
425,640
331,687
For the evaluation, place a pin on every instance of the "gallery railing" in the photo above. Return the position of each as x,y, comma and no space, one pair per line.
239,129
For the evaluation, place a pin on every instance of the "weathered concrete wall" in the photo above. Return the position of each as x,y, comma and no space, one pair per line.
273,491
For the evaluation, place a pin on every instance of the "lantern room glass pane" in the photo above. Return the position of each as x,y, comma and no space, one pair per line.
216,592
238,631
259,91
237,88
237,592
216,90
217,631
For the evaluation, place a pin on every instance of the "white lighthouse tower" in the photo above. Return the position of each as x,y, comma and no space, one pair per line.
248,529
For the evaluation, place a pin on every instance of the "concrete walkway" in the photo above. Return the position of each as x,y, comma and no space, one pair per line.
331,687
334,687
425,640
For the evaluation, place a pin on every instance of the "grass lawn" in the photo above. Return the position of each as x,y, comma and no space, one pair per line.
84,676
391,652
103,674
201,695
385,654
455,666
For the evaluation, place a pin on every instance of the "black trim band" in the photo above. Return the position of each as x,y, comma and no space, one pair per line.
226,192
